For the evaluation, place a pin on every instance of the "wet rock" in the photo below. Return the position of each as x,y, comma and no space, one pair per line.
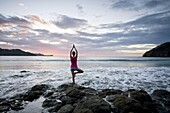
55,108
93,103
111,98
4,105
17,76
16,102
79,92
69,100
64,87
4,108
106,92
161,94
35,92
50,103
66,109
48,94
162,97
141,96
23,71
125,104
17,105
74,92
84,111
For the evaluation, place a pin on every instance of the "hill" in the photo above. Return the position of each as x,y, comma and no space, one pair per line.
162,50
15,52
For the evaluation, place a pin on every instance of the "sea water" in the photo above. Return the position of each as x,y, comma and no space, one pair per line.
99,73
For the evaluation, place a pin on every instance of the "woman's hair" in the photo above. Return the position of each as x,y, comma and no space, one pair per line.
73,53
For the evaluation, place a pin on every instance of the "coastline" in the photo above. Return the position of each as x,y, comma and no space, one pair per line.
68,98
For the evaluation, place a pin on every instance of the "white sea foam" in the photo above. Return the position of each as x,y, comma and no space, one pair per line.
123,78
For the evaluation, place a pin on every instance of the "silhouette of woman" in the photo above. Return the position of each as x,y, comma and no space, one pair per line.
74,68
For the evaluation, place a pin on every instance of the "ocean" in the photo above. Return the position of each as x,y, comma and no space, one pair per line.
99,73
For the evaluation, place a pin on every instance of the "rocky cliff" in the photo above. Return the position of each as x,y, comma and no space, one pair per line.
162,50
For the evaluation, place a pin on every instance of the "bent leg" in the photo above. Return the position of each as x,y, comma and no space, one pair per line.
79,71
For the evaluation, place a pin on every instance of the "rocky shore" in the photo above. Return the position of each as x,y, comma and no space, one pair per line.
68,98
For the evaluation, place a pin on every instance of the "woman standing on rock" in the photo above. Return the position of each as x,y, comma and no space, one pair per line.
74,68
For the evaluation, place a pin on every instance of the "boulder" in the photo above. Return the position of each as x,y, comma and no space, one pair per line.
141,96
50,103
84,111
106,92
124,104
162,98
66,109
55,108
35,92
94,104
4,105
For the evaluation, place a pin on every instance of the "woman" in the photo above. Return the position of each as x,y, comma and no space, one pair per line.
74,67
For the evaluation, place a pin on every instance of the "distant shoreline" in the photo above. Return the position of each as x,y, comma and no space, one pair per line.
18,52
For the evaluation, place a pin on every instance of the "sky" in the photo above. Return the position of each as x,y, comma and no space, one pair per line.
96,27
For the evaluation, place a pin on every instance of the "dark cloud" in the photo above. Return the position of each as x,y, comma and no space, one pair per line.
141,5
123,4
13,19
150,29
156,3
68,22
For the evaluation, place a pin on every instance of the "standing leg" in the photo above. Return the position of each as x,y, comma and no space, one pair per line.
73,76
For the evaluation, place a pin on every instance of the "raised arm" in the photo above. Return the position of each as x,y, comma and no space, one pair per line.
71,52
76,51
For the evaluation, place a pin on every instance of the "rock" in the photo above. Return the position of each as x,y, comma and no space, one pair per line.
161,93
4,105
84,111
48,94
69,100
78,92
4,109
93,103
50,103
106,92
125,104
55,108
35,92
24,71
75,93
141,96
162,97
66,109
64,87
111,98
162,50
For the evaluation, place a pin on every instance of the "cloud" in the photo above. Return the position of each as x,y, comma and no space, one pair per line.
21,4
157,5
35,18
123,4
66,22
137,36
150,29
80,8
12,20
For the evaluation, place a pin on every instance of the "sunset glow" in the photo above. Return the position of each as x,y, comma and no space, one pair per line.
97,28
